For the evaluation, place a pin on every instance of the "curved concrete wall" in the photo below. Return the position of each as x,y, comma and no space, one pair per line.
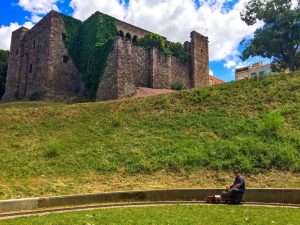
283,196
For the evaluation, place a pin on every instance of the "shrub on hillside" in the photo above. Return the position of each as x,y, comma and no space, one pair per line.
271,124
52,150
51,153
178,86
116,121
37,96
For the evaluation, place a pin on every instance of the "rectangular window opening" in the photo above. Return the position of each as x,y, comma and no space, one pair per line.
63,36
65,59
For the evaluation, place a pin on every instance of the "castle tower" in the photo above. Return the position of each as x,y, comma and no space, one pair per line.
14,64
39,66
199,57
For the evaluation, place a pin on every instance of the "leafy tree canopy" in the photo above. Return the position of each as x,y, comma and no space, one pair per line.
279,38
3,70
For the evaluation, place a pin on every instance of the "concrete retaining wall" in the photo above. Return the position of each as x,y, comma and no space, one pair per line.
283,196
18,205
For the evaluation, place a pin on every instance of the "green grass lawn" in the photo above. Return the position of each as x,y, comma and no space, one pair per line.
252,125
175,215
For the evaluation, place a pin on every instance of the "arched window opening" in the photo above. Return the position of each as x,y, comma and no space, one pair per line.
121,34
65,59
30,68
134,39
63,36
128,37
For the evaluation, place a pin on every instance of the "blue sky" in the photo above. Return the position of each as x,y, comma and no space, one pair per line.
218,19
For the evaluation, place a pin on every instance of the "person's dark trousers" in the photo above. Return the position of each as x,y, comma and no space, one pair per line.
232,196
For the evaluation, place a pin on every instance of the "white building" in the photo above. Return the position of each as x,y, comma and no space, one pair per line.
254,70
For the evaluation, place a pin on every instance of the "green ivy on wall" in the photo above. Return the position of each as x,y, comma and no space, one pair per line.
71,39
89,44
166,47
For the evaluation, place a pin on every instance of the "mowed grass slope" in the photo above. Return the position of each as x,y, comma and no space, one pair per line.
251,125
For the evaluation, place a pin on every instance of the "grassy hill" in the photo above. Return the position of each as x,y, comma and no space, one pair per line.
55,148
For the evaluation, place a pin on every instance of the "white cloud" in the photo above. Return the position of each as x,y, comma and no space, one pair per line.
5,34
230,64
175,19
83,9
295,3
38,7
211,73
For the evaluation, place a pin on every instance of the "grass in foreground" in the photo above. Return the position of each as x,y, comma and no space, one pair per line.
175,215
253,125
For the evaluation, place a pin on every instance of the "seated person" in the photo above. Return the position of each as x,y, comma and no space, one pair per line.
236,191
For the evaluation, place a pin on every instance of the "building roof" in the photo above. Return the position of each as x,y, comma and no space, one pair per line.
254,66
214,80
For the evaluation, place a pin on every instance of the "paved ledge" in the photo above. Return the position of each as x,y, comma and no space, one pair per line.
269,196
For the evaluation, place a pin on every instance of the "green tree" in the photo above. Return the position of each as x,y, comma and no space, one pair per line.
3,70
279,38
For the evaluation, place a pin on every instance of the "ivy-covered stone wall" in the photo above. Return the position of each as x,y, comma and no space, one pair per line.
89,44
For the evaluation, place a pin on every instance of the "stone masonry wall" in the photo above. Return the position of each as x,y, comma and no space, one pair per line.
34,67
130,66
140,66
43,69
118,79
64,78
161,69
167,70
107,88
180,73
125,76
32,50
40,66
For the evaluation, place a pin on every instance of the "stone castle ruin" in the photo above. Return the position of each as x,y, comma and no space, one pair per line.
100,58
